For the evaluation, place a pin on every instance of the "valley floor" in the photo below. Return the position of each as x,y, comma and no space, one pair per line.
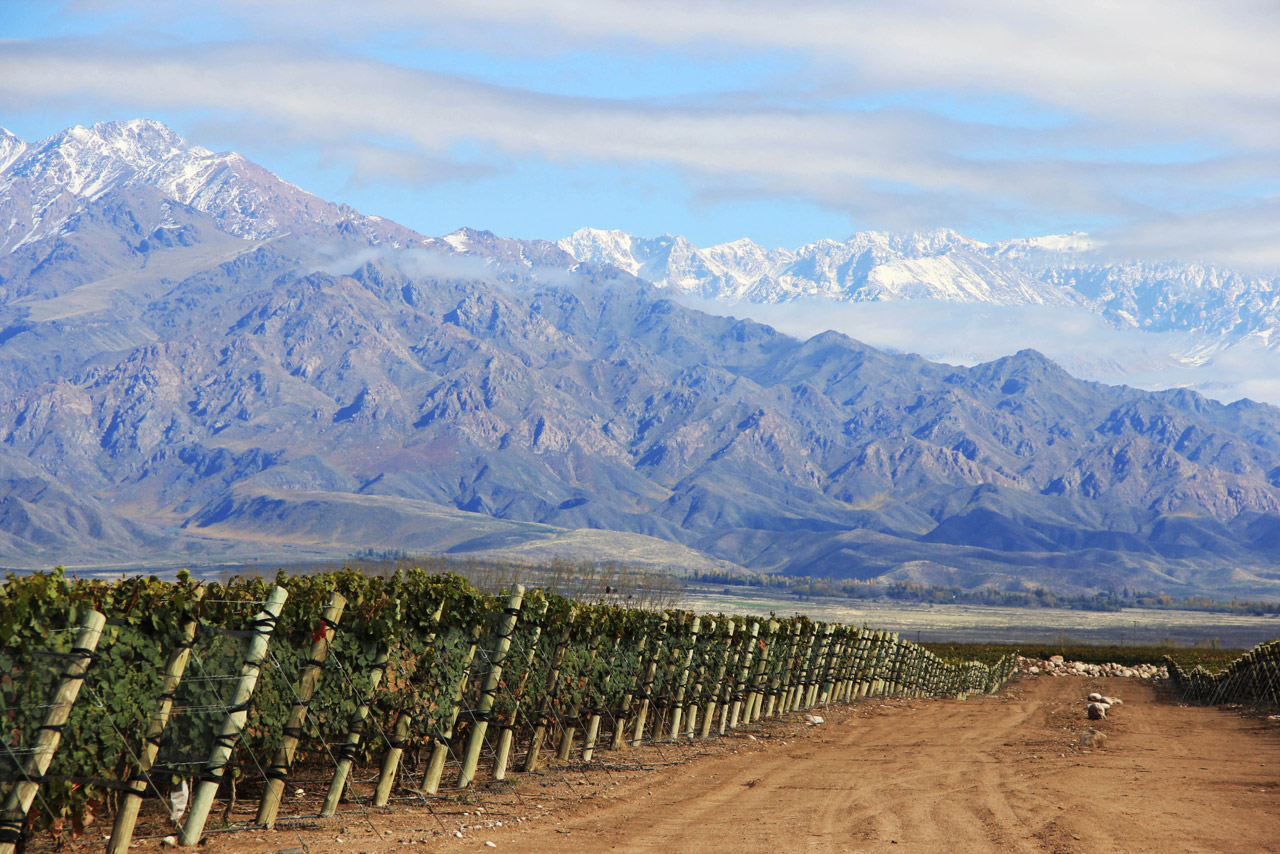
999,773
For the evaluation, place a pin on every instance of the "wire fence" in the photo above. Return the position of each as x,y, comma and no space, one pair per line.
1252,679
252,704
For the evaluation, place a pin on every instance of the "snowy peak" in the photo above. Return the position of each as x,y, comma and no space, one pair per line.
597,246
43,186
869,266
507,250
1069,270
138,142
11,148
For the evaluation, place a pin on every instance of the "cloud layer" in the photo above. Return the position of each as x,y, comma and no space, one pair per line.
1079,340
1159,121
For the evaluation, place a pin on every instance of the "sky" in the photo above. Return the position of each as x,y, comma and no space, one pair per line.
1153,125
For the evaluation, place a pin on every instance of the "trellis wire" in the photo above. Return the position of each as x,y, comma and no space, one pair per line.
1252,679
649,678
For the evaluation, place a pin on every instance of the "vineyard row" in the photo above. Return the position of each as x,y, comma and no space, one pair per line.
1253,678
117,695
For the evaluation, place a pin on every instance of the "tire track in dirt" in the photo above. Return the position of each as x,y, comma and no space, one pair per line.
999,773
992,774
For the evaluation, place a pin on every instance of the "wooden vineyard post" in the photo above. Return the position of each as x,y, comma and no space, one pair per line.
898,663
756,687
395,751
849,673
650,672
660,698
893,661
355,732
714,688
744,671
857,653
884,664
282,759
13,815
934,685
857,673
867,669
174,667
778,684
800,688
835,678
910,663
501,646
547,707
790,700
916,674
571,725
831,669
593,721
440,750
699,686
818,671
624,710
791,670
875,674
726,692
502,757
840,664
264,623
677,709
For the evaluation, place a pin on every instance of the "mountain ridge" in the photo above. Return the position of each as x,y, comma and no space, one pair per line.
1069,270
330,383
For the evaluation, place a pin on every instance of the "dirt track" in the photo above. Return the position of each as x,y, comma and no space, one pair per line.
1000,773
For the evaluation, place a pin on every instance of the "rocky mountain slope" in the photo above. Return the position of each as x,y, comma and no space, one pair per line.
177,387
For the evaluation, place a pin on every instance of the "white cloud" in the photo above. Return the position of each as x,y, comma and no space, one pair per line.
877,164
1079,340
1165,63
1147,112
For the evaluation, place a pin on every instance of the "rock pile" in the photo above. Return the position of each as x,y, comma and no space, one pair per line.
1056,666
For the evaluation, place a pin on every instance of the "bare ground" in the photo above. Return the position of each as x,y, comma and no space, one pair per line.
995,773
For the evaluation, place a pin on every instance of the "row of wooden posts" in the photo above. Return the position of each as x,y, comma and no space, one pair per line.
1253,678
768,669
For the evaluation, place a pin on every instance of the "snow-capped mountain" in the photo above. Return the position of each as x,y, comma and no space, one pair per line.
870,266
42,185
1055,270
201,362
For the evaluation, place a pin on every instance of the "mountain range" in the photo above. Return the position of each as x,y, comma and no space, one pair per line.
1058,271
202,363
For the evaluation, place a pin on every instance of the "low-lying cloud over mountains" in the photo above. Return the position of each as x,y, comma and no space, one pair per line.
959,300
224,367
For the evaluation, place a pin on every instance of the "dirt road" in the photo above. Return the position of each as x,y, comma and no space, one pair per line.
1002,773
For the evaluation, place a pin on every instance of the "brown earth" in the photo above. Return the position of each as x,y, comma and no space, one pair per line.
1002,773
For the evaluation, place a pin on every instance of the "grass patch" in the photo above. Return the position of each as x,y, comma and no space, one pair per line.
1186,656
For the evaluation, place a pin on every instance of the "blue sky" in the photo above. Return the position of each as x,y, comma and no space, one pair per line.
1155,125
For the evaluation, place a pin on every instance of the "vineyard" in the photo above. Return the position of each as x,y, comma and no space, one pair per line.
1253,679
141,703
